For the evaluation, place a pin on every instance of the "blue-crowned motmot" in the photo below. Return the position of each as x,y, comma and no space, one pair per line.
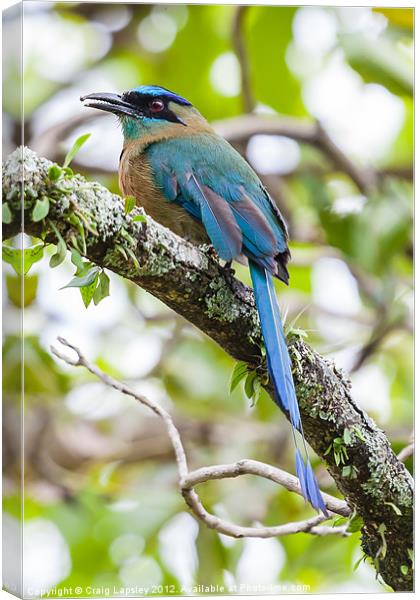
193,182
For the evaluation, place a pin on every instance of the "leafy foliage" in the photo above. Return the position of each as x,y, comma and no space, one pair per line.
92,281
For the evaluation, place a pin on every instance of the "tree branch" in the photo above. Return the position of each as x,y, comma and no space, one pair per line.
190,281
407,451
239,129
188,480
238,41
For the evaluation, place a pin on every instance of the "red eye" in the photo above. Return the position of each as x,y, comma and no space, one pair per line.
156,106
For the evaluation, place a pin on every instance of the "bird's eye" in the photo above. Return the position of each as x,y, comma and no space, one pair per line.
156,106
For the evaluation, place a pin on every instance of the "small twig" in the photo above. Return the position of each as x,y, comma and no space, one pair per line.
407,451
255,467
380,331
173,433
240,49
187,480
236,531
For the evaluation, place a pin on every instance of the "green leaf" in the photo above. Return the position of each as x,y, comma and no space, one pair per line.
129,204
75,148
396,509
346,471
355,524
61,252
404,569
102,290
129,238
22,260
256,391
121,250
54,172
359,434
88,291
384,547
76,221
7,216
239,371
41,209
85,280
296,331
328,450
347,436
357,563
252,387
140,219
57,258
410,554
339,521
249,384
133,257
77,260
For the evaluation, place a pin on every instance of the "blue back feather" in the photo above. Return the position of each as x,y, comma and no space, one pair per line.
217,218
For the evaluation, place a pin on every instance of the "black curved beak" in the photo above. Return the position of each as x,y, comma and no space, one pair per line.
112,103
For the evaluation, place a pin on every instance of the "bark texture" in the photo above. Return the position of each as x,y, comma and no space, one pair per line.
188,279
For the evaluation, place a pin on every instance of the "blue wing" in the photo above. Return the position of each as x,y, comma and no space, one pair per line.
216,186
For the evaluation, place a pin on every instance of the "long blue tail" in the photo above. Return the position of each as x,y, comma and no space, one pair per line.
278,363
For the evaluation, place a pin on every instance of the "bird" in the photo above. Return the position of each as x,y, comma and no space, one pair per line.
194,182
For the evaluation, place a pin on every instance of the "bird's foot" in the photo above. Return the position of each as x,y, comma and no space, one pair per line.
210,251
228,272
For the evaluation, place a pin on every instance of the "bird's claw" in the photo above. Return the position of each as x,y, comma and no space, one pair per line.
228,272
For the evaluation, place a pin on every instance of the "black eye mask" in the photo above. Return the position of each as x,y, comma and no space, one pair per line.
146,105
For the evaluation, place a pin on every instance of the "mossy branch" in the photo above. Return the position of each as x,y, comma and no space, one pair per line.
189,280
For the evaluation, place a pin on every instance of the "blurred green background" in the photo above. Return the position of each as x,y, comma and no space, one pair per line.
101,505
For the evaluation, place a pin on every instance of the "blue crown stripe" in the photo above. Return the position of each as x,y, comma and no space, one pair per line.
155,90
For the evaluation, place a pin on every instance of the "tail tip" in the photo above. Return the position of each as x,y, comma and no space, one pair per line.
309,484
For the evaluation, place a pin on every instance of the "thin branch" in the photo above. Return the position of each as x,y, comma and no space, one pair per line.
238,129
239,44
187,480
380,331
173,433
254,467
407,451
236,531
